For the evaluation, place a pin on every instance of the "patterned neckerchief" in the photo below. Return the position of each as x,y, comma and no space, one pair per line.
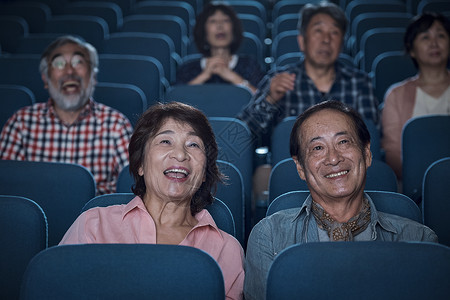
342,231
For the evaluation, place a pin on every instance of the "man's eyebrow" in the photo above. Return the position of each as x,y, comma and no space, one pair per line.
317,138
75,53
79,53
319,22
55,56
341,133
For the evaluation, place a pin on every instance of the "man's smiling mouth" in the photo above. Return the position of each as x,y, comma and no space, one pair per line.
337,174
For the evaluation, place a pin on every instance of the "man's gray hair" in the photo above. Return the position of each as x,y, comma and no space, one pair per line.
62,40
324,7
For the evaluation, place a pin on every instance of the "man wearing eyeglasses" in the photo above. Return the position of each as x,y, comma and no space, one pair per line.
70,127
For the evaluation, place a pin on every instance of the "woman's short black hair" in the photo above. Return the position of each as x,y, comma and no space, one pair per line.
200,28
148,126
419,24
358,124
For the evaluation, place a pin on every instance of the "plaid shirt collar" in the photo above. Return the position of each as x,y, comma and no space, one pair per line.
88,110
340,69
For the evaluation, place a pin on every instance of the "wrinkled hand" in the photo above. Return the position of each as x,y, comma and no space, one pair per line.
279,85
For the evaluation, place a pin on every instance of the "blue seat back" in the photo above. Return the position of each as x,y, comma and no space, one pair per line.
384,72
93,29
357,7
36,43
383,270
236,145
285,42
157,45
377,41
253,24
23,227
61,189
12,98
35,13
388,202
435,203
144,72
284,23
126,98
425,139
438,6
284,7
233,195
250,7
20,64
366,21
108,11
17,28
123,271
172,26
181,9
214,100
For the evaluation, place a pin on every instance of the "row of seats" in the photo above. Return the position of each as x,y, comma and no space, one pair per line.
424,140
78,186
237,139
25,229
374,35
381,269
376,44
178,25
147,73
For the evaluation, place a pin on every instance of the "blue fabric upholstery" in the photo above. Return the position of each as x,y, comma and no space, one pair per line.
389,202
123,271
435,201
23,227
60,189
361,270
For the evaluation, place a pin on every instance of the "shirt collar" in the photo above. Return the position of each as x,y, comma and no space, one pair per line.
135,203
341,70
375,217
232,64
87,110
305,208
204,218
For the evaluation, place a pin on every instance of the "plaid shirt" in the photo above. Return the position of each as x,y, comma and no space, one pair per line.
351,86
98,140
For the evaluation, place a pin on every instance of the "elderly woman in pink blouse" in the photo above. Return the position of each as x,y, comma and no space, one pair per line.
427,42
173,156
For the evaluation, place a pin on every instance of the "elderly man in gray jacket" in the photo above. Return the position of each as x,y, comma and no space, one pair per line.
330,145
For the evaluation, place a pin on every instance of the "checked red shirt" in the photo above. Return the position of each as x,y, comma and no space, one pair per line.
98,140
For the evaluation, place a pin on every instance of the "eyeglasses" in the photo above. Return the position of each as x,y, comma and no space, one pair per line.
76,61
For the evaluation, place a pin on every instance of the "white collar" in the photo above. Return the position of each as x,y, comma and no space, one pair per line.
232,64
